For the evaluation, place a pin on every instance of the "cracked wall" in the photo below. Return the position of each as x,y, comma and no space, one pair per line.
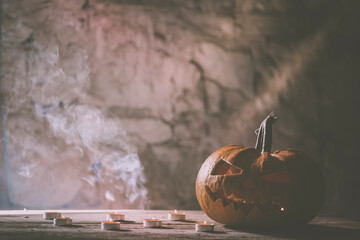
176,80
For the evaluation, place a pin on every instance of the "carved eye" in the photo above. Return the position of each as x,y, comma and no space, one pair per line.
278,177
224,168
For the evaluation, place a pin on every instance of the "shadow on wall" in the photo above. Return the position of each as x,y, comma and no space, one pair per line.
116,104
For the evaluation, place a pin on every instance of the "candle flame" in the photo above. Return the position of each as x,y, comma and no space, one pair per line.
282,209
175,211
205,222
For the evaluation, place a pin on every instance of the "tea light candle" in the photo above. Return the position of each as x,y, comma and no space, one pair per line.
115,217
51,215
152,223
204,227
110,225
62,221
176,216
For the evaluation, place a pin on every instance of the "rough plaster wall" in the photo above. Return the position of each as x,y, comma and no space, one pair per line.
176,80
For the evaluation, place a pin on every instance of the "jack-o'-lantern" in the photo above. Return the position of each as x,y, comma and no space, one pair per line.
253,187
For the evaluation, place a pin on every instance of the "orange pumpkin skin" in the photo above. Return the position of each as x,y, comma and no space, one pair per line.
240,186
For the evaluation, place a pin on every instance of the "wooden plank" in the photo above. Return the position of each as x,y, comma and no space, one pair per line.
86,225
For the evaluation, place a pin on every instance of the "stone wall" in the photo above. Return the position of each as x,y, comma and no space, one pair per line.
118,103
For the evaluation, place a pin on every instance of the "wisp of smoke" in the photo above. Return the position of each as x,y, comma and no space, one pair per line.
63,151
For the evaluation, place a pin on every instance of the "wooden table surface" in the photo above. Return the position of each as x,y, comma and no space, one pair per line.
86,225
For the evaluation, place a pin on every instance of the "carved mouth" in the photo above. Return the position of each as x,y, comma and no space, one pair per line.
247,205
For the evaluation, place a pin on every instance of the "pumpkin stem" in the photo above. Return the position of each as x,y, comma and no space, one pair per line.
264,134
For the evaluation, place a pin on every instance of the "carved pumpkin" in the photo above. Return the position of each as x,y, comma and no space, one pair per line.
253,187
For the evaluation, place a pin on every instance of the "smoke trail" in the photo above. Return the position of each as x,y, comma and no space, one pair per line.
114,164
62,150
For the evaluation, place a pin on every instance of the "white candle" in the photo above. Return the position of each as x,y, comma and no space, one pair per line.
152,223
176,216
62,221
110,225
51,215
204,227
115,217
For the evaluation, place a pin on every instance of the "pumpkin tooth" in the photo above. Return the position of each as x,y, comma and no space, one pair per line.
259,205
239,211
255,211
218,203
230,210
254,215
266,207
245,206
225,201
234,214
230,207
210,193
